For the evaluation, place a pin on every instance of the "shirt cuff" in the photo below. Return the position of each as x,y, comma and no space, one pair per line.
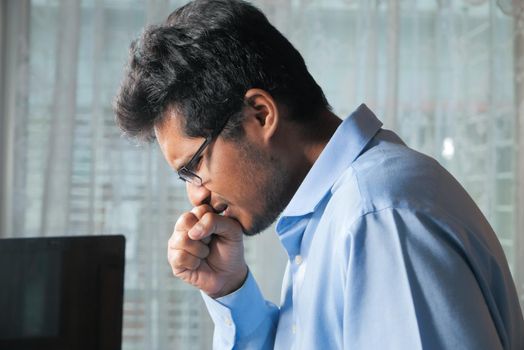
243,310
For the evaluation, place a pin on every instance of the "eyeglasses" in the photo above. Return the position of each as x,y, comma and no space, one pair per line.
186,173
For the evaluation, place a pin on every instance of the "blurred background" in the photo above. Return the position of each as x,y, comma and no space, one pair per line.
447,75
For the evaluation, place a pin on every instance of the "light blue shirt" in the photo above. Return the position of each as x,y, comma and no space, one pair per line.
386,251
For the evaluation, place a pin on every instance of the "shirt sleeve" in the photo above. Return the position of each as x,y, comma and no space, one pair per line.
414,282
243,319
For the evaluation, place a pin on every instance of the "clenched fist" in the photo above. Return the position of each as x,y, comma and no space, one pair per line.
206,250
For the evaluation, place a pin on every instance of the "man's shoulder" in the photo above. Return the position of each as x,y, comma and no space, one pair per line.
388,174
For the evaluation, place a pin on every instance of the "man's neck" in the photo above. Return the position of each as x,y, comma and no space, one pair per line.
319,135
307,143
300,146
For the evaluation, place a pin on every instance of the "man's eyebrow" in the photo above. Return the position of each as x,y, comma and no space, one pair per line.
179,166
182,163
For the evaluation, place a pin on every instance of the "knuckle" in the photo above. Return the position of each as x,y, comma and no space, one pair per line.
177,240
178,255
176,258
186,220
201,210
172,240
171,260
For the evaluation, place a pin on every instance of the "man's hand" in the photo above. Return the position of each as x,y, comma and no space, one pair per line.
206,250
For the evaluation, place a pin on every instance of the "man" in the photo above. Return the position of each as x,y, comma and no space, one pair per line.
386,250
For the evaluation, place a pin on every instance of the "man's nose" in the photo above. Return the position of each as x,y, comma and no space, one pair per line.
197,195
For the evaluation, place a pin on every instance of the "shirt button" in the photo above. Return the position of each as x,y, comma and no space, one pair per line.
294,328
298,259
228,321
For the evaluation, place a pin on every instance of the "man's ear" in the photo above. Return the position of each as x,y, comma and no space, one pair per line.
264,110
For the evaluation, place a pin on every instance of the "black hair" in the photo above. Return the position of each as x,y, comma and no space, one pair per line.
202,60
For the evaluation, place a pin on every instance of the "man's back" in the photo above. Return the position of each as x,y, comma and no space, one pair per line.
419,239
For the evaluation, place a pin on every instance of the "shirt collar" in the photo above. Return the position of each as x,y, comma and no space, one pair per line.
346,144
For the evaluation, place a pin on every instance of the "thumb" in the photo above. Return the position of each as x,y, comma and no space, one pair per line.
211,223
199,211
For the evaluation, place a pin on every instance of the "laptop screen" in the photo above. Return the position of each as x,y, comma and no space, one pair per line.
61,292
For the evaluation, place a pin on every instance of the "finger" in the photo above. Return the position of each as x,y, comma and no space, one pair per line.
181,241
181,260
200,210
212,223
186,221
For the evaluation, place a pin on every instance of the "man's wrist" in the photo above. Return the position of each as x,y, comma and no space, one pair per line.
233,287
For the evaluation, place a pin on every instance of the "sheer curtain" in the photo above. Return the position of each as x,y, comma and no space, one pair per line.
447,75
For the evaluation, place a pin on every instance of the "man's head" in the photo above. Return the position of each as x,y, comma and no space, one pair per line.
212,64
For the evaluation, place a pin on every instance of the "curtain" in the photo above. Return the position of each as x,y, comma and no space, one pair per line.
446,75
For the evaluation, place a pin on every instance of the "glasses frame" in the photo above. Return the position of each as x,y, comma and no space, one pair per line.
186,172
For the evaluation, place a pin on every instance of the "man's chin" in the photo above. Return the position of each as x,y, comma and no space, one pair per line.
250,233
249,230
245,229
257,226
